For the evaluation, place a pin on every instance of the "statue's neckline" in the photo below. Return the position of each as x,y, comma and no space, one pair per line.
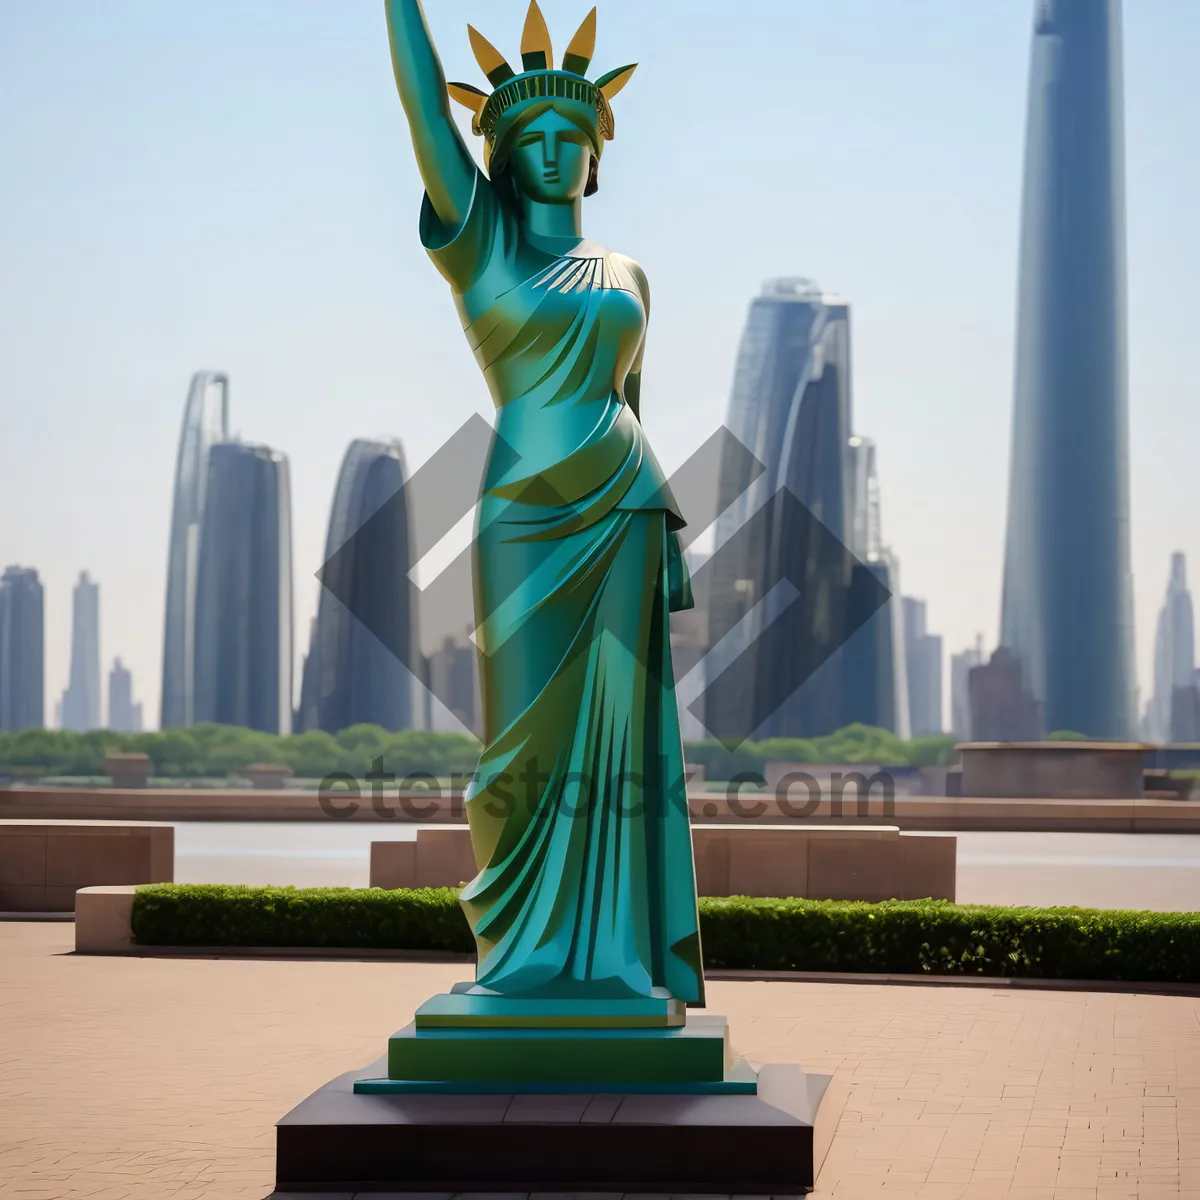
566,247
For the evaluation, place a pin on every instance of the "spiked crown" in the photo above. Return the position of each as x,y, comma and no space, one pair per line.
492,114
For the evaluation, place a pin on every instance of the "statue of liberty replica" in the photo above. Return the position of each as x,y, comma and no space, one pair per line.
568,1064
578,816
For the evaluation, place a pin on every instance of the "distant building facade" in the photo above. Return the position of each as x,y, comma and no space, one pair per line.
960,697
243,597
22,650
1068,599
791,408
1003,709
1174,657
453,677
80,707
354,673
124,713
205,425
923,655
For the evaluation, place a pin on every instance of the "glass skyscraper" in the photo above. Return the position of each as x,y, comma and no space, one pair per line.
205,425
81,701
366,626
243,597
791,408
1067,605
22,650
124,714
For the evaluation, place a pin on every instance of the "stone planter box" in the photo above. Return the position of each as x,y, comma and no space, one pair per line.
44,863
1053,770
128,770
268,777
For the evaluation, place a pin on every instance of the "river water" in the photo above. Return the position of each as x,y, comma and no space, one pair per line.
1100,870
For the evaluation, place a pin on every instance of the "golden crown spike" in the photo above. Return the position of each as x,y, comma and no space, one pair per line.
491,114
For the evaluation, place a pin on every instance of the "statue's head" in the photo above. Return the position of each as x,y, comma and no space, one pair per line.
544,129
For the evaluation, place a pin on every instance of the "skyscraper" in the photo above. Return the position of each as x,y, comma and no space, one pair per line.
923,654
81,700
355,673
124,715
205,425
791,408
243,597
1067,604
22,650
1174,656
960,696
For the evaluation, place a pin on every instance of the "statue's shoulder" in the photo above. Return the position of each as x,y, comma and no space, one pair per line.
623,265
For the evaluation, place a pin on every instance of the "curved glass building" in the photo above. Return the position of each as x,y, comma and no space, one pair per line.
801,538
205,425
366,627
1067,606
243,596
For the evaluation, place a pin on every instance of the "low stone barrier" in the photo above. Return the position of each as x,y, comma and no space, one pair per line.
44,863
817,862
104,920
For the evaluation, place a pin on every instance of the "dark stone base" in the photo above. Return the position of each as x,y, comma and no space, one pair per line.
763,1145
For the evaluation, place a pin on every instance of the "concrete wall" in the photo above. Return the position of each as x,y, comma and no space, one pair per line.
44,863
1053,770
819,862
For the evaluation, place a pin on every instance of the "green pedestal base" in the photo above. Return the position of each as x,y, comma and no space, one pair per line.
691,1053
466,1009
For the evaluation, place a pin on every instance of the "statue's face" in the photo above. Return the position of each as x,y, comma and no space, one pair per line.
550,159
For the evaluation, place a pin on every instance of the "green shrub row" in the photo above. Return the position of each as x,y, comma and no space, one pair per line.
909,937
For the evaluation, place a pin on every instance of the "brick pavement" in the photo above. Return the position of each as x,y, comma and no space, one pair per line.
160,1079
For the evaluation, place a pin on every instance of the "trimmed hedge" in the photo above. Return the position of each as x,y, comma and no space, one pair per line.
901,937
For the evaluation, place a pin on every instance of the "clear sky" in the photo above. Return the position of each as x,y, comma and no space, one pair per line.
229,184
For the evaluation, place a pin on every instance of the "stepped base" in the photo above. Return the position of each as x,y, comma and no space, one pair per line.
685,1054
340,1140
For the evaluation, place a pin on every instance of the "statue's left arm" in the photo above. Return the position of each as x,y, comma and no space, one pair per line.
633,381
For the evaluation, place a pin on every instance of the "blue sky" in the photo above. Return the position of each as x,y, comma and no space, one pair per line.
229,184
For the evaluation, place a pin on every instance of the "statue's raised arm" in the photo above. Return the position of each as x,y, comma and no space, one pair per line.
446,165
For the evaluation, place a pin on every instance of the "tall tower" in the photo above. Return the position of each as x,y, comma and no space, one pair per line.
1067,604
205,424
22,650
243,598
366,626
81,700
1174,651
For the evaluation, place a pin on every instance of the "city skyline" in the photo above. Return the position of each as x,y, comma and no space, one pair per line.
311,226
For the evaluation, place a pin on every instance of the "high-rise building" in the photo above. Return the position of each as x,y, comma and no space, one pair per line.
81,701
1003,709
205,425
453,675
1174,654
22,650
124,714
366,626
243,607
960,696
923,655
791,408
1068,599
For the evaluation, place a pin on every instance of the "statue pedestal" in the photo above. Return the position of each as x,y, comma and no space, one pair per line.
486,1094
343,1140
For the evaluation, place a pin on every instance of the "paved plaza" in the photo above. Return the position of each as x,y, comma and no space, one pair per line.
161,1078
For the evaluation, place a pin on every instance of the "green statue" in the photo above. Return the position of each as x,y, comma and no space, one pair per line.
586,889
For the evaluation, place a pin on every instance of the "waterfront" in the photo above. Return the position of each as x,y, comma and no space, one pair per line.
1102,870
